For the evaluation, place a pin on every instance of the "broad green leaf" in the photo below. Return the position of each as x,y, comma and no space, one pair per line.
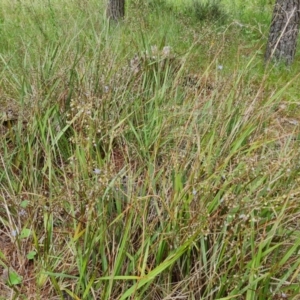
24,203
25,233
14,278
31,255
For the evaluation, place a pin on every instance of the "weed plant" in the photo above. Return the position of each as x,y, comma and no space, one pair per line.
156,158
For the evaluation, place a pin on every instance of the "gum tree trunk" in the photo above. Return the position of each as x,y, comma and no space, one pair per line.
284,31
115,9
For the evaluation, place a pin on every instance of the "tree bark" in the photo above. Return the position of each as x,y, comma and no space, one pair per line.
284,30
115,9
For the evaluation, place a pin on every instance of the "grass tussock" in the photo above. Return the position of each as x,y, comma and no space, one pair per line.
153,159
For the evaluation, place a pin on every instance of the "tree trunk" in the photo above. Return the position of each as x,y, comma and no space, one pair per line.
284,31
115,9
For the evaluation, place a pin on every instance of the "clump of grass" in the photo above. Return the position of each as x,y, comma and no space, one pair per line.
209,10
157,182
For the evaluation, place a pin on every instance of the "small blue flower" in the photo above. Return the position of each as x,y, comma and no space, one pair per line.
14,233
96,171
22,212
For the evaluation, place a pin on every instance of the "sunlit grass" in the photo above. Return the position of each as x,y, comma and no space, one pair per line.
153,159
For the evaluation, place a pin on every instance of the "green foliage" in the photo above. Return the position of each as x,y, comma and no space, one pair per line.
152,159
209,10
13,278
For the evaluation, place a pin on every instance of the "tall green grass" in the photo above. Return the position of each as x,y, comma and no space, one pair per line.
129,173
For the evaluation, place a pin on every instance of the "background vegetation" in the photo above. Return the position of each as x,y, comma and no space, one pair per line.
157,158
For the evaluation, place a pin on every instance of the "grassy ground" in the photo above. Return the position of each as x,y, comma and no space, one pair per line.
153,159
